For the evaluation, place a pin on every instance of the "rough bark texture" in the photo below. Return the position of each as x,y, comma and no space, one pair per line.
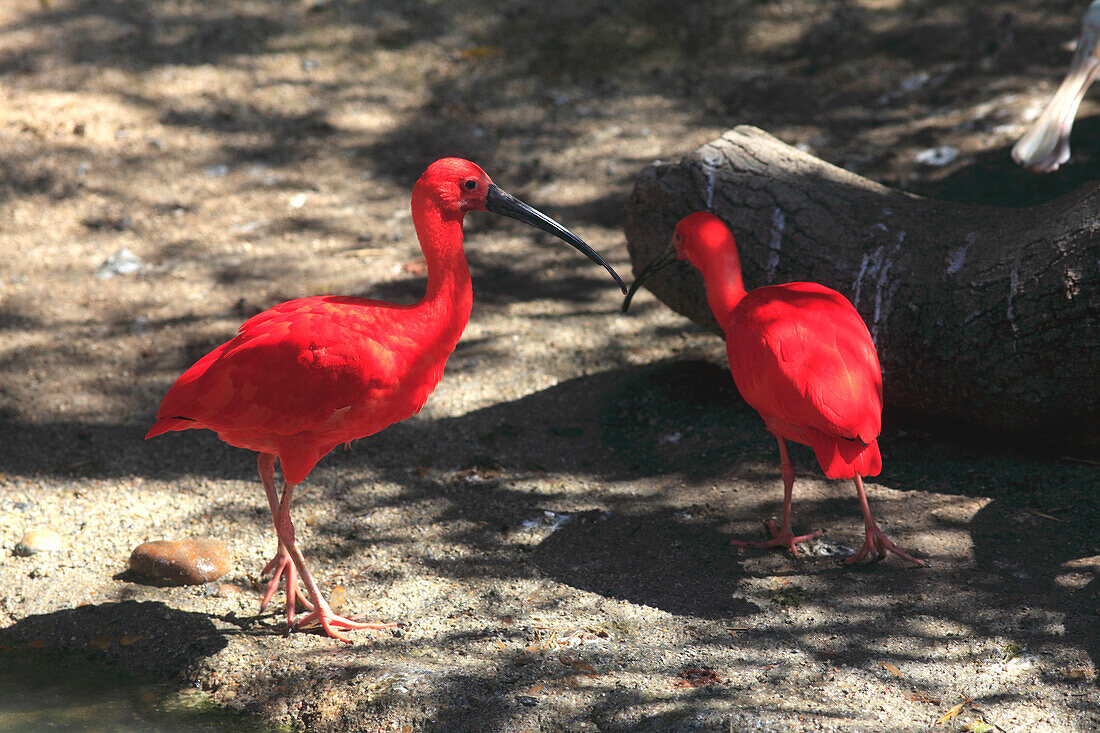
981,315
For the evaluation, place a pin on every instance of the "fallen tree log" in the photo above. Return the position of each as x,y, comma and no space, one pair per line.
984,316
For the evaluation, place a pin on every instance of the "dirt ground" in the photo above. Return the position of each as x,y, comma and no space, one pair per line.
552,530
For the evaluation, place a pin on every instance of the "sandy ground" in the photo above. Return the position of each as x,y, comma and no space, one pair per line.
552,530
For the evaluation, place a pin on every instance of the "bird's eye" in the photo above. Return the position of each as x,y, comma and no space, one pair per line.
470,184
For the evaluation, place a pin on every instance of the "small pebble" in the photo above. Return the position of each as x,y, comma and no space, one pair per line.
221,590
122,262
937,156
181,562
35,541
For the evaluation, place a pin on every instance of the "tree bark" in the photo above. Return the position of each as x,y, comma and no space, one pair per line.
984,316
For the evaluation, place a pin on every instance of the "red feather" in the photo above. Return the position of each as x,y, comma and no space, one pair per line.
307,375
803,358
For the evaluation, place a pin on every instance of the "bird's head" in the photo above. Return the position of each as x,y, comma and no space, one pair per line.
702,237
458,186
699,238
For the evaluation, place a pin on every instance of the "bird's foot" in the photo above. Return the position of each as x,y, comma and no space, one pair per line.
281,565
781,537
330,622
876,547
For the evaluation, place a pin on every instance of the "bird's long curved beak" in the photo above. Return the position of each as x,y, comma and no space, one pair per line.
1045,145
658,264
505,204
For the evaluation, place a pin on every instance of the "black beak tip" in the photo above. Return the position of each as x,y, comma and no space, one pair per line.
505,204
629,293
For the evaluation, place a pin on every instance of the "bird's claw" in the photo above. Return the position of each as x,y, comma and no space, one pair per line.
329,622
877,546
781,537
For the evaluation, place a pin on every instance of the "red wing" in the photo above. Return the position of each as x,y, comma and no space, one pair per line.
801,354
289,369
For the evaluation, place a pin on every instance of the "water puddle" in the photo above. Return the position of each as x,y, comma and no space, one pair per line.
44,690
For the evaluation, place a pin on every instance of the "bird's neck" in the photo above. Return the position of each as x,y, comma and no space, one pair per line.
445,308
722,277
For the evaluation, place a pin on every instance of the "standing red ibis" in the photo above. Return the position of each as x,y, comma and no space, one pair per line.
312,373
1045,145
802,357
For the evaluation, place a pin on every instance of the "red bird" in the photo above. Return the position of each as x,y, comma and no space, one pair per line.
801,356
312,373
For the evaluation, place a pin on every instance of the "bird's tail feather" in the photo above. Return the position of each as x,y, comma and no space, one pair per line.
841,458
168,424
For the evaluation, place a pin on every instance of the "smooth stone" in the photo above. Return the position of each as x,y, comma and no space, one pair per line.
181,562
35,541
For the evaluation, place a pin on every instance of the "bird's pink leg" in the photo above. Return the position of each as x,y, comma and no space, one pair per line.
281,563
782,537
321,613
877,545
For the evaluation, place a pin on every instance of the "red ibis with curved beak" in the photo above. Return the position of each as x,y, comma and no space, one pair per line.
802,357
313,373
1045,145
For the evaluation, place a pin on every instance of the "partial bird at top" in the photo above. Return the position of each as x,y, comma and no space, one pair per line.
802,357
1045,145
310,374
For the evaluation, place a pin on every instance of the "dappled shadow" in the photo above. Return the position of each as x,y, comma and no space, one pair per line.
651,558
644,548
140,36
657,465
498,279
145,638
992,178
692,52
98,450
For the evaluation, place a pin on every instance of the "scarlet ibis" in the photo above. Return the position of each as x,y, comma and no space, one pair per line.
1045,145
312,373
802,357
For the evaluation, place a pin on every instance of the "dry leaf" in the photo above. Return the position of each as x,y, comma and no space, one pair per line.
697,677
481,52
952,712
101,642
578,664
922,697
978,726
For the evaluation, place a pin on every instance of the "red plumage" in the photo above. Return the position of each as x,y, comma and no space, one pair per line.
309,374
803,358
